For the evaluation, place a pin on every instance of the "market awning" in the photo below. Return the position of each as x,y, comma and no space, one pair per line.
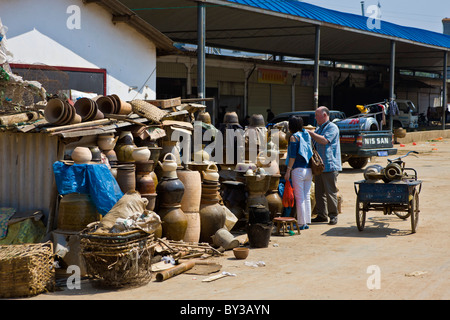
287,28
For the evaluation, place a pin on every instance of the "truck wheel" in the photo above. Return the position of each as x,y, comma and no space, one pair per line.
358,163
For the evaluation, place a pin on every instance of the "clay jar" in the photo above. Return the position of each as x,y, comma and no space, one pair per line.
193,190
141,154
81,155
274,200
170,192
174,223
124,147
212,218
126,178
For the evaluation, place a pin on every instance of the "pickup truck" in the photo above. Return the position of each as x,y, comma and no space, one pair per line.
360,137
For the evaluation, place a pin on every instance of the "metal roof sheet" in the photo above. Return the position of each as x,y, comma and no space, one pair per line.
310,11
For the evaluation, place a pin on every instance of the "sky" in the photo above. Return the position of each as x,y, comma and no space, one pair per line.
422,14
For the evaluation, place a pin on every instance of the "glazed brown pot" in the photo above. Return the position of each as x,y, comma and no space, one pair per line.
174,223
145,183
212,218
170,192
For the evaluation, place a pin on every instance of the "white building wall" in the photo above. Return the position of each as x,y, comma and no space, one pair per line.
69,33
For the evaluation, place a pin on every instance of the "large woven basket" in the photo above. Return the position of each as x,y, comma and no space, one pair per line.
148,110
120,259
26,269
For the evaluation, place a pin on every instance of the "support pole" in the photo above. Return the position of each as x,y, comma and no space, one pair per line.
316,68
392,83
444,89
201,13
294,77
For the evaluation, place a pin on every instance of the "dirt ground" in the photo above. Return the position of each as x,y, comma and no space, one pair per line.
332,261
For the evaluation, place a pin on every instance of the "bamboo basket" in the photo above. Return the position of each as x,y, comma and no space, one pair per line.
118,260
26,269
148,110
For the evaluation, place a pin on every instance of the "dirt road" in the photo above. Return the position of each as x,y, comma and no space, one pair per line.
385,261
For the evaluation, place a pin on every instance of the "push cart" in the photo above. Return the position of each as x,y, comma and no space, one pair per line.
397,194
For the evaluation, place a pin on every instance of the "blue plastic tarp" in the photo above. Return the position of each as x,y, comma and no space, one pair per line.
93,179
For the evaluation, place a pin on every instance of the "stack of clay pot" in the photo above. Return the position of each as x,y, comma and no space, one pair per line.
190,203
60,112
88,109
146,180
126,168
112,104
170,192
212,215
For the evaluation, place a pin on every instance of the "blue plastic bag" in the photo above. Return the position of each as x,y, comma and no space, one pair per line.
93,179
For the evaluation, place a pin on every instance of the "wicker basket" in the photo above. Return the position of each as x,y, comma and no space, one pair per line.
148,110
120,259
26,269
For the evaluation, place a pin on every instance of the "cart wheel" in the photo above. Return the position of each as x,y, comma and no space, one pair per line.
402,214
360,214
414,212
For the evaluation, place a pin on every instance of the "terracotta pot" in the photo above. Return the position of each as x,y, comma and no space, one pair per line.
86,108
170,192
145,183
192,190
105,105
174,223
107,142
193,227
124,107
126,178
144,166
58,112
81,155
212,218
204,117
76,211
275,204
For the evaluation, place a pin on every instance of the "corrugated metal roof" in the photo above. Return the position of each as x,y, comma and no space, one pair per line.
309,11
